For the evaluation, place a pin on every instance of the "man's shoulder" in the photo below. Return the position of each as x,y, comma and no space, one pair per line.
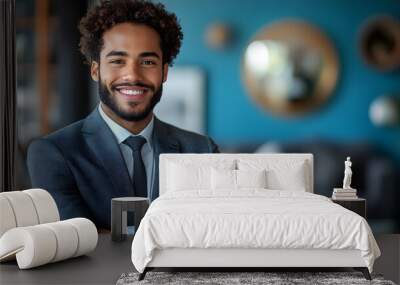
180,133
66,133
189,141
69,135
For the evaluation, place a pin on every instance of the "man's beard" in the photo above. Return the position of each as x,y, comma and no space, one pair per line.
110,101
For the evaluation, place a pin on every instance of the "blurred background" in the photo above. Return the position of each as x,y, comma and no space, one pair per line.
257,76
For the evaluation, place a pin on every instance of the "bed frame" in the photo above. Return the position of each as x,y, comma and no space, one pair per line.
259,258
252,258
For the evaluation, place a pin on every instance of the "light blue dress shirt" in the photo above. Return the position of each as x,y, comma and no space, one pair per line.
147,152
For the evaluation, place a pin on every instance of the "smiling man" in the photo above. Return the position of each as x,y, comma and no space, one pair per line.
114,152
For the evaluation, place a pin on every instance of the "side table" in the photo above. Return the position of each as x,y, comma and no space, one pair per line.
358,206
119,208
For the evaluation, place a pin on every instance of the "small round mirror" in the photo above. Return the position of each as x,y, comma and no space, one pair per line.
380,43
290,67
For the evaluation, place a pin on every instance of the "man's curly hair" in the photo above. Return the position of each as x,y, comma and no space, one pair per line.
109,13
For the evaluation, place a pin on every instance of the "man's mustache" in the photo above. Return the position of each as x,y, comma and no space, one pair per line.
132,84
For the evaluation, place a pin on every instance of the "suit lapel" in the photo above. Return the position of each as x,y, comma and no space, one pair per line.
104,145
163,142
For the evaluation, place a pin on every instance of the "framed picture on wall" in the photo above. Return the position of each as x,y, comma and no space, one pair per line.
183,101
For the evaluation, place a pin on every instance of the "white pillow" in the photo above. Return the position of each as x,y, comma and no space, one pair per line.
251,178
223,179
186,174
287,174
183,178
237,179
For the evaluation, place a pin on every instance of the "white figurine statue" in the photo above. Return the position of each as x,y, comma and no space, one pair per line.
347,174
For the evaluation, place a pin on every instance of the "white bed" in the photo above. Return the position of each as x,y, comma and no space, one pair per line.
247,210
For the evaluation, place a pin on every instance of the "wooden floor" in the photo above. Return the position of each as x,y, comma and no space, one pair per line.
389,262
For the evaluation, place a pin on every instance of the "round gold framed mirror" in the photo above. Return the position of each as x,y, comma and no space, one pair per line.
290,67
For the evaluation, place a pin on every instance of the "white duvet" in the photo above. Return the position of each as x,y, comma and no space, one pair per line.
252,218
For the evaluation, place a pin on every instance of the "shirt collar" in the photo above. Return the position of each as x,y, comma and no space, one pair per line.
121,133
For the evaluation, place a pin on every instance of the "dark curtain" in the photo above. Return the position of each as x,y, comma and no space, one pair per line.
73,75
7,95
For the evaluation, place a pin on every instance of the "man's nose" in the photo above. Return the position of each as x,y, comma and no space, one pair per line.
133,73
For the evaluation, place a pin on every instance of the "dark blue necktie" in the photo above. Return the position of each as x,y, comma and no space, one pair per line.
139,173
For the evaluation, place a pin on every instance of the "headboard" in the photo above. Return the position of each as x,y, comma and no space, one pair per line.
281,161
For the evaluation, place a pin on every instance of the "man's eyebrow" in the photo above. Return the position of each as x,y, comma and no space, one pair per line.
116,53
149,53
124,53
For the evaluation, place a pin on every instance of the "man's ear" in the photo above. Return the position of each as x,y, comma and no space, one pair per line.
94,71
165,72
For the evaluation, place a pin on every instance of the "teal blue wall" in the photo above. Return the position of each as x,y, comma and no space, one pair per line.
234,118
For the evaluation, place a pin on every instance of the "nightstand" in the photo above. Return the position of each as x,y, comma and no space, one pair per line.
358,206
119,208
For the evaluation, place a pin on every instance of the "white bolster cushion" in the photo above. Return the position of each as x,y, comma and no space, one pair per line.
23,208
45,205
40,244
26,208
67,240
7,219
87,235
33,246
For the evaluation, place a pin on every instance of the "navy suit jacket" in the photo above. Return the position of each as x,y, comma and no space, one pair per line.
82,166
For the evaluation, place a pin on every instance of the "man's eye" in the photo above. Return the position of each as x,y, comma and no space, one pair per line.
116,61
148,62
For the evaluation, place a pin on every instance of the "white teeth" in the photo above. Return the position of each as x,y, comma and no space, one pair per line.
131,92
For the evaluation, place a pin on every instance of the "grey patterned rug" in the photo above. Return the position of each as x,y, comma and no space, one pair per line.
231,278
